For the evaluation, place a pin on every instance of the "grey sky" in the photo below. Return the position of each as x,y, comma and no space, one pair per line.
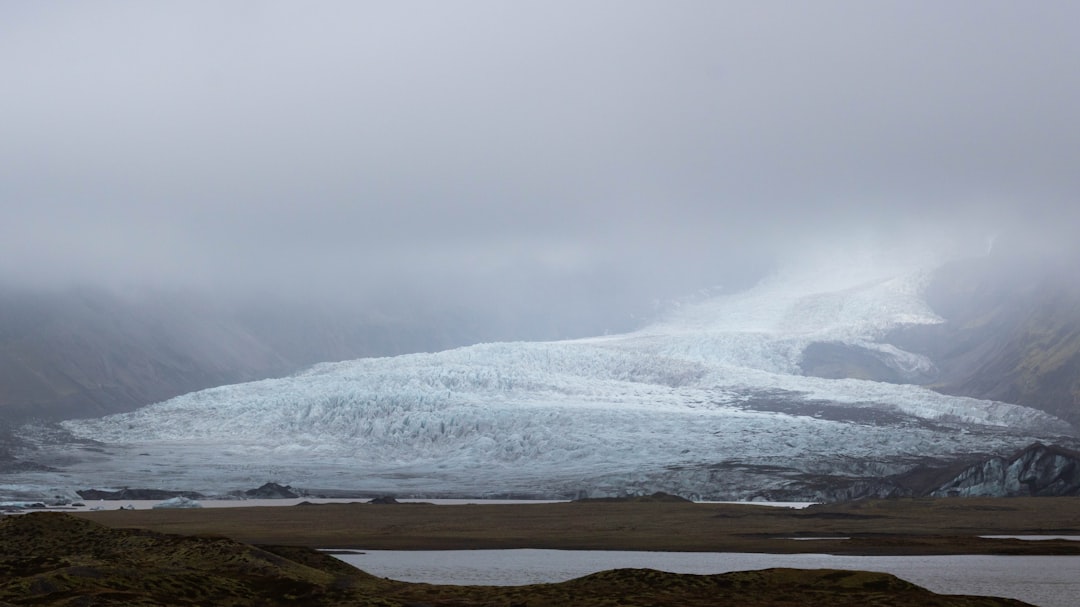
636,149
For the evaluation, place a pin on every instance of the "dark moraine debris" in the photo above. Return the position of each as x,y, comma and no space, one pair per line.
658,497
137,494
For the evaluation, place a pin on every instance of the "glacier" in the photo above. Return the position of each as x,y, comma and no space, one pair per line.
708,402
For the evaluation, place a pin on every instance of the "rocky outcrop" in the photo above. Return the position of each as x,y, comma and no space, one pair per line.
137,494
657,497
1038,470
272,491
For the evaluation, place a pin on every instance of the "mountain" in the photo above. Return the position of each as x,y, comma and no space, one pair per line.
1011,332
1008,329
710,402
836,378
87,353
90,352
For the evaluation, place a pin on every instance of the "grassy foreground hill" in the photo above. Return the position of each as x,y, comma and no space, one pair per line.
53,559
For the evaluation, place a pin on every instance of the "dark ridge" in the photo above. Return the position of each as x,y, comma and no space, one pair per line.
137,494
659,496
272,491
1037,470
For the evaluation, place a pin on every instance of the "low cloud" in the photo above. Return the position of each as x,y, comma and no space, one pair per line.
559,153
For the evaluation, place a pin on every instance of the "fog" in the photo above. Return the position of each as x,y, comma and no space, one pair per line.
580,161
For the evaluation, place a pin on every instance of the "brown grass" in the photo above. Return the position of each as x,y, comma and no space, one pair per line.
905,526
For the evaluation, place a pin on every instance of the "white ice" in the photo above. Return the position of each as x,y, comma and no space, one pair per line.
656,408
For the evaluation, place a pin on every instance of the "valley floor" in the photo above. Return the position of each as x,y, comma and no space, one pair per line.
871,527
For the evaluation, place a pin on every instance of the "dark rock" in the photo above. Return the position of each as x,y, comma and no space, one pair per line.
272,491
1038,470
659,496
136,494
386,499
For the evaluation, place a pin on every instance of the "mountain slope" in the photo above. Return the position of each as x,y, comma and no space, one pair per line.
87,353
90,354
1011,332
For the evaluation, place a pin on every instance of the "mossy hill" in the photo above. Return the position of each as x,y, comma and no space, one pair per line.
52,559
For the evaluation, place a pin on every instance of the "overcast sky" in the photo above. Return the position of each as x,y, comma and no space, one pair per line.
586,150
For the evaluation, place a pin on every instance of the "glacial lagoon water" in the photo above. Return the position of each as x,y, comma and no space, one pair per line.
1046,581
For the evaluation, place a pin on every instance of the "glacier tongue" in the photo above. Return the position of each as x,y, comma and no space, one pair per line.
669,407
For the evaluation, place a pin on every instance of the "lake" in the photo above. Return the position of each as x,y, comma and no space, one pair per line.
1046,581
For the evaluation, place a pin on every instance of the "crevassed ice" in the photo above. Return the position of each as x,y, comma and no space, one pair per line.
668,395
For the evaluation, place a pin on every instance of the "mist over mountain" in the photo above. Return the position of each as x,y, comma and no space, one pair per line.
1010,331
711,400
86,352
